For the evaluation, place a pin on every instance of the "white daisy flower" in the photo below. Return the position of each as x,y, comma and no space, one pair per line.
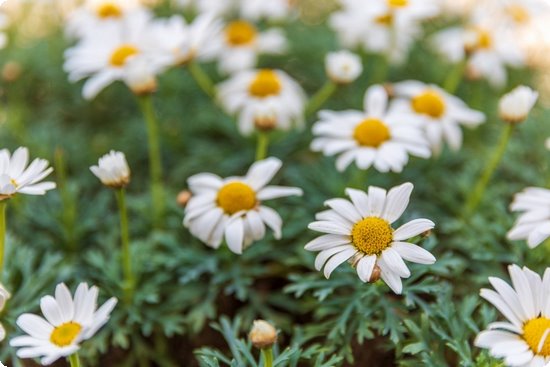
361,230
16,177
343,67
257,10
214,7
514,107
238,46
68,322
4,23
262,98
112,170
442,112
4,296
533,224
522,340
231,208
104,55
375,137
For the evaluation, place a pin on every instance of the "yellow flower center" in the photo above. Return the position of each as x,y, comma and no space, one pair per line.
121,55
534,331
386,19
239,33
109,10
518,13
265,84
429,103
236,196
371,132
65,334
372,235
13,182
398,3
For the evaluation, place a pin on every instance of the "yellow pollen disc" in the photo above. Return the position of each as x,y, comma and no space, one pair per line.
484,39
398,3
518,13
533,331
109,10
265,84
386,19
236,196
121,55
371,133
372,235
65,334
13,182
239,33
429,103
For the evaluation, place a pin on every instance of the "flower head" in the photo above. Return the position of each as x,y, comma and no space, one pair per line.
514,107
263,334
343,67
361,230
533,224
522,340
68,322
112,170
16,177
233,207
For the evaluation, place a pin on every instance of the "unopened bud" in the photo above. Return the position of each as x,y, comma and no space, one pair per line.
514,107
183,197
265,123
375,275
11,71
263,334
140,78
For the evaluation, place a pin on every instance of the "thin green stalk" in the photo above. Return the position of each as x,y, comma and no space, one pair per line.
129,280
155,163
262,145
74,360
202,79
3,205
359,179
454,77
68,216
320,97
477,194
268,356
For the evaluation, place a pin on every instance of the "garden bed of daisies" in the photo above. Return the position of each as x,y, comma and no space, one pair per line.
274,183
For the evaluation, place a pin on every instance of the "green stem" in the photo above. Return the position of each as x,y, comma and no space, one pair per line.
320,97
68,216
476,195
74,360
262,145
268,356
129,280
3,205
359,178
202,79
155,163
454,77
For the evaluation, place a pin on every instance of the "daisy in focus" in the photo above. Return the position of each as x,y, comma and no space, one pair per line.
238,46
16,177
533,224
523,339
375,137
263,99
112,170
443,113
343,67
68,322
4,296
361,231
231,208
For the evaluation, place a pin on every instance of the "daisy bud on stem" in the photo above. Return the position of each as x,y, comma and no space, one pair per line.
140,78
263,336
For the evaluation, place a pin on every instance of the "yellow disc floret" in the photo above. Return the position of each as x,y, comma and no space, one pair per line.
372,235
122,54
236,196
65,334
429,103
371,132
386,19
265,84
240,33
534,331
518,13
109,10
398,3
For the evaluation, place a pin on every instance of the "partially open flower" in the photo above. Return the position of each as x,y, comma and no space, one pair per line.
343,67
514,107
263,334
112,170
140,78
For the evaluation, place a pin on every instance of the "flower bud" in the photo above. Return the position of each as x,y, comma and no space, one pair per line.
112,170
514,107
343,67
183,197
140,78
375,275
263,334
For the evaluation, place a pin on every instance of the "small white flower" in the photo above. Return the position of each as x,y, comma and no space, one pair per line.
361,230
214,7
261,96
514,107
522,340
140,78
374,137
16,177
232,207
4,296
442,112
68,322
112,170
533,224
343,67
257,10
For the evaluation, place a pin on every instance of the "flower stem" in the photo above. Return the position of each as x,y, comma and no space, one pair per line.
476,195
74,360
3,205
320,97
155,163
129,281
68,200
454,77
202,79
268,356
262,145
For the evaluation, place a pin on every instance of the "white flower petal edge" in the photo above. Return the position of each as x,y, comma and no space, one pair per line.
514,107
359,230
533,224
112,169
